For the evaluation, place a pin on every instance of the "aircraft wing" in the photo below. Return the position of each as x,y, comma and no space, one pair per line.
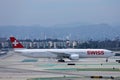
70,55
61,54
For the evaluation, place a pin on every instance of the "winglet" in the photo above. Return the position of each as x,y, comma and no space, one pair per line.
15,43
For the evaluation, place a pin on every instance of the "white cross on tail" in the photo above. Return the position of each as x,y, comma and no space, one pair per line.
15,43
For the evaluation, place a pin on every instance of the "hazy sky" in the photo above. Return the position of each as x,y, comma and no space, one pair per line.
52,12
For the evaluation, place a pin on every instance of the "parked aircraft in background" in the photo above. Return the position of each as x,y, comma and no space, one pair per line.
72,54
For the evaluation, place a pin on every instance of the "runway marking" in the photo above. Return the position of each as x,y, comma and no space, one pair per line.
85,69
100,64
29,60
58,78
73,77
64,65
47,65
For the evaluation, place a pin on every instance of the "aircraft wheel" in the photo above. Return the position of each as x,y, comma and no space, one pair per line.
61,60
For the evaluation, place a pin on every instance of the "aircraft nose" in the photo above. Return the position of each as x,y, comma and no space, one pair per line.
112,53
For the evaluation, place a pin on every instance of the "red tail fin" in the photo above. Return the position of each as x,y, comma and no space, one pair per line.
15,43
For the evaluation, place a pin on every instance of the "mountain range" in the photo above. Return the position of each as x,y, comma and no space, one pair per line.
63,31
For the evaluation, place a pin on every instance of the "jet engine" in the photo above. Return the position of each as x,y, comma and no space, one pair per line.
74,57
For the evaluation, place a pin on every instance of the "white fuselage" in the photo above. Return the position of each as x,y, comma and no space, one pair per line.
49,53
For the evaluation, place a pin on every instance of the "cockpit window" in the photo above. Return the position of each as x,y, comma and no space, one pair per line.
112,52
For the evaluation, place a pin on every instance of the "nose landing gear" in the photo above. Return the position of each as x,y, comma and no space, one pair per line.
106,59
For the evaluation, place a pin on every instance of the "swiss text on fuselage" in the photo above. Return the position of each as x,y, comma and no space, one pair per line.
95,52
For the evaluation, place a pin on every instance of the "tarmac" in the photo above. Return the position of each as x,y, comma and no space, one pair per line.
17,67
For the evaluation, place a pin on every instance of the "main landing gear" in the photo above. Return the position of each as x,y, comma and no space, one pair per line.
61,60
106,59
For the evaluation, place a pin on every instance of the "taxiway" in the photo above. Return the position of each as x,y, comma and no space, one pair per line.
17,67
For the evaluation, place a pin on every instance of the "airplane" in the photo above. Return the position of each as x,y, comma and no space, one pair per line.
72,54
